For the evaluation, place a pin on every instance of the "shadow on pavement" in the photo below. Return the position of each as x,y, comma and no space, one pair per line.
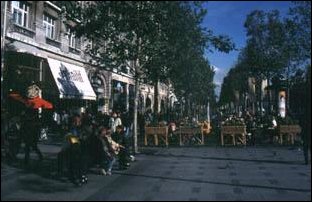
214,182
154,153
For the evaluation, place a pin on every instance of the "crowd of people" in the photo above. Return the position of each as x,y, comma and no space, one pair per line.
95,140
90,140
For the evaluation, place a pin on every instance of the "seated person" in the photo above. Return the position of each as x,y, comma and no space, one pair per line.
120,138
110,149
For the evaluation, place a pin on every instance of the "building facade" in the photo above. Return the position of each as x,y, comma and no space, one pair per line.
37,45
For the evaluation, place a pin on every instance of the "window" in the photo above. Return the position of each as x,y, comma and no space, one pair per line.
49,26
20,13
74,42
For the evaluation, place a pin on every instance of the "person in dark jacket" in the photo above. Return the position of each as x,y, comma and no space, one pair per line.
109,150
120,138
31,132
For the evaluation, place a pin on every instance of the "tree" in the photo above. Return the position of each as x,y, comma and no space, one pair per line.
299,32
264,52
150,38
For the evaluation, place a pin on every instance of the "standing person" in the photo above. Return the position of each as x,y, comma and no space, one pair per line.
77,164
114,121
31,132
111,122
118,121
57,121
64,121
106,118
76,125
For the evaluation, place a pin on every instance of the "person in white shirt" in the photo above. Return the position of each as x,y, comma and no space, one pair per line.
114,121
118,121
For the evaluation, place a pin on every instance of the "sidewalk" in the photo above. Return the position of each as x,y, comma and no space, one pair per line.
174,173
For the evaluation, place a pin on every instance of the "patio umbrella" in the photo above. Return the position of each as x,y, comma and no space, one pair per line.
38,102
34,103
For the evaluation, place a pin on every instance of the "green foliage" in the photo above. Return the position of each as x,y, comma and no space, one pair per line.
233,122
163,40
299,32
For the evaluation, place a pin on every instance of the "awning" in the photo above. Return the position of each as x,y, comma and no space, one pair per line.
72,81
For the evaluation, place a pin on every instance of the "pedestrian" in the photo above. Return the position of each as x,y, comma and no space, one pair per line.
114,121
73,153
65,118
118,121
31,132
57,121
111,122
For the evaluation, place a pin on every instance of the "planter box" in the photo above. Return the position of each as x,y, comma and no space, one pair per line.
160,131
186,133
233,131
290,131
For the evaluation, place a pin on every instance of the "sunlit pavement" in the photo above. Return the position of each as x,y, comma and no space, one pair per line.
179,173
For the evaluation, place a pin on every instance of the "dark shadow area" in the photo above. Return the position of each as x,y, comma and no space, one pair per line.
47,169
39,185
214,182
154,153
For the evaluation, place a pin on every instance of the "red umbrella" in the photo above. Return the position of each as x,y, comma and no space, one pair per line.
34,103
38,102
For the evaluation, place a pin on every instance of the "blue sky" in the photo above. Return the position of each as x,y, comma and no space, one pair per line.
228,17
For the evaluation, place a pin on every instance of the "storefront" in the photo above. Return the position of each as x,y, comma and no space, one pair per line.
65,85
100,84
119,96
74,88
122,93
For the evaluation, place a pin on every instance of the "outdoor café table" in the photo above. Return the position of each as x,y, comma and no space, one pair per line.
234,131
157,132
187,132
290,131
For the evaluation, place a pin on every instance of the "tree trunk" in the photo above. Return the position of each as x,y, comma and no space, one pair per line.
135,114
288,87
259,95
156,97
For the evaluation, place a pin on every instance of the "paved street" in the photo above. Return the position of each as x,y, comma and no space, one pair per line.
188,173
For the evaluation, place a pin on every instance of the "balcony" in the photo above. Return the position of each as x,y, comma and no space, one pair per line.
23,30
